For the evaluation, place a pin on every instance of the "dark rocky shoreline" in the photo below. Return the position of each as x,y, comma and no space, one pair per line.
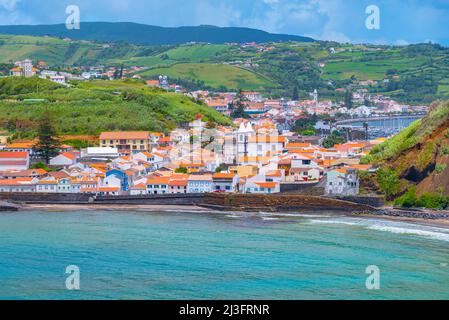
410,213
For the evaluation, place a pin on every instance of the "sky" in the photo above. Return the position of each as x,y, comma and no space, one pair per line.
400,21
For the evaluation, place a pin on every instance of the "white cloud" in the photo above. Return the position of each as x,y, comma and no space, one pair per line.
9,4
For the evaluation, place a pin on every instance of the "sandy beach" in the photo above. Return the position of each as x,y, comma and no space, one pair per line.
442,223
118,207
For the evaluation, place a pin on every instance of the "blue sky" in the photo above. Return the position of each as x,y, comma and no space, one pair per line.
401,21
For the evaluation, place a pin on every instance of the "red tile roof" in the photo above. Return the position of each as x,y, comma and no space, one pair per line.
13,155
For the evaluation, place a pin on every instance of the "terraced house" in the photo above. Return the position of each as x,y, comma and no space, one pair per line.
132,142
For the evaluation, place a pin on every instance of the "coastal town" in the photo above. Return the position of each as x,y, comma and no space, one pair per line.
259,154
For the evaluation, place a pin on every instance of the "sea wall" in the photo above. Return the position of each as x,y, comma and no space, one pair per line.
165,199
47,198
372,201
279,202
6,206
77,198
289,187
244,202
418,214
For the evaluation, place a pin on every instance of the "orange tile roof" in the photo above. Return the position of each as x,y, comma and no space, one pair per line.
109,189
15,182
129,135
13,155
267,139
178,182
297,145
21,145
158,180
268,185
224,176
139,186
68,155
361,166
274,173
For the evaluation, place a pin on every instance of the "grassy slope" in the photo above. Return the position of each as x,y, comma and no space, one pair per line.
214,75
420,154
92,107
290,65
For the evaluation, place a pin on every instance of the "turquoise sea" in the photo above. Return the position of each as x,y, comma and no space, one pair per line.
192,255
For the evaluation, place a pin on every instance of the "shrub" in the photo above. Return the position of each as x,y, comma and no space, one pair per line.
183,170
433,201
388,181
408,200
440,167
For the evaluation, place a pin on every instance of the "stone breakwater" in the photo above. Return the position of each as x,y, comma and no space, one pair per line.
6,206
279,202
418,214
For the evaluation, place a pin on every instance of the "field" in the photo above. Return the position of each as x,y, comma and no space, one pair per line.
213,75
419,73
368,66
91,107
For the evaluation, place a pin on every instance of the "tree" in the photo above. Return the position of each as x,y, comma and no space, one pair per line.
388,181
183,170
348,99
48,143
334,138
238,106
295,95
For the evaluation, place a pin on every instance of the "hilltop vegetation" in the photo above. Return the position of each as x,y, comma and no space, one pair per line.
213,75
414,74
415,163
88,108
142,34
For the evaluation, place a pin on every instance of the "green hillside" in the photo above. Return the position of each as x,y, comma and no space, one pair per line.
141,34
214,75
414,165
414,74
95,106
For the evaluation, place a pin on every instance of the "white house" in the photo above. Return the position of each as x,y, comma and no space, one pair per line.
138,190
14,161
156,159
177,186
261,184
64,185
100,153
200,184
18,185
225,182
47,186
111,181
259,146
304,169
158,185
63,160
342,182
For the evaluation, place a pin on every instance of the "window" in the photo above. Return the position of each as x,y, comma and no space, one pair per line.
228,187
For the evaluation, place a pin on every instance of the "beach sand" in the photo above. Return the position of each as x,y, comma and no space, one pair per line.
117,207
441,223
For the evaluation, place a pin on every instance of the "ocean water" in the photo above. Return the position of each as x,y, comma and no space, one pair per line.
193,255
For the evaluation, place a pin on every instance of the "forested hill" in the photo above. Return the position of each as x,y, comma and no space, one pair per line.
142,34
